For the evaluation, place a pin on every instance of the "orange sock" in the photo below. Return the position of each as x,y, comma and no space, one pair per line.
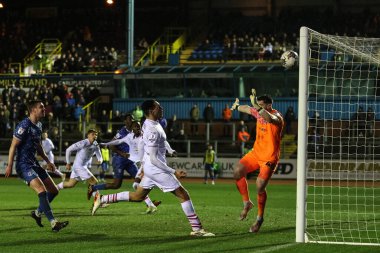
261,200
242,186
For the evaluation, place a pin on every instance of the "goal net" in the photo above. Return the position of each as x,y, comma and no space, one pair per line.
338,185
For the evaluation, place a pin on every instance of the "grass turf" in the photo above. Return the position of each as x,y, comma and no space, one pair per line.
124,227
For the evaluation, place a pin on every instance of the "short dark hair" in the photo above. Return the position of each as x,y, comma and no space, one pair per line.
91,130
266,98
148,105
32,104
130,115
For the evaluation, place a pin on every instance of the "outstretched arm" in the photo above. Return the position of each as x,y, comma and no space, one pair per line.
115,142
241,108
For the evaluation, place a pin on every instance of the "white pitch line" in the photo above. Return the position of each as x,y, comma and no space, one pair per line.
274,248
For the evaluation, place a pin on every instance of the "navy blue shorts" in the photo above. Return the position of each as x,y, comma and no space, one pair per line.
28,172
120,164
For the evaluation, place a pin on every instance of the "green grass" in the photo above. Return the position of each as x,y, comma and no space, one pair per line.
123,228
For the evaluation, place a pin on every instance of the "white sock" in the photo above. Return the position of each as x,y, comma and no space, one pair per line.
60,186
53,222
188,209
113,198
148,201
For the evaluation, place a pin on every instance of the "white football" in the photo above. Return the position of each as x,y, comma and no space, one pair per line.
289,59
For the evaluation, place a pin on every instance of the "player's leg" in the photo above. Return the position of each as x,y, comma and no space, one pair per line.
72,182
211,173
137,196
188,208
205,177
266,172
50,186
133,171
118,165
75,177
246,164
38,186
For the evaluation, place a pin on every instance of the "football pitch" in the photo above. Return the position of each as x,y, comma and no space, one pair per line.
123,227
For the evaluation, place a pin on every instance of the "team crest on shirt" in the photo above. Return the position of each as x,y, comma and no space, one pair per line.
152,137
20,131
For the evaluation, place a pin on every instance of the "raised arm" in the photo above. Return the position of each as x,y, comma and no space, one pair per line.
273,118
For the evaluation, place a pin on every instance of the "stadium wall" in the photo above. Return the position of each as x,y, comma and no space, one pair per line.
182,106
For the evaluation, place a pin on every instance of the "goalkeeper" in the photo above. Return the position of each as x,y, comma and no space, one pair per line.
264,155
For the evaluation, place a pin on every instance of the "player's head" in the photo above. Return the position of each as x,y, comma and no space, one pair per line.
265,101
136,127
92,135
36,108
128,120
152,109
44,135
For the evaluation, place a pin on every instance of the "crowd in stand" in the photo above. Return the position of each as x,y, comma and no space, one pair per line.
79,59
93,38
61,103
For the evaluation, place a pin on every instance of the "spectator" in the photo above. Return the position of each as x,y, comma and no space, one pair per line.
173,128
243,135
137,113
290,117
194,116
117,116
227,115
78,113
208,113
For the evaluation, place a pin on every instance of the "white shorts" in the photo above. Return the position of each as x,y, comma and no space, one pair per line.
165,181
81,174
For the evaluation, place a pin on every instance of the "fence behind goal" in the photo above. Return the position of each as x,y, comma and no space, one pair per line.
338,165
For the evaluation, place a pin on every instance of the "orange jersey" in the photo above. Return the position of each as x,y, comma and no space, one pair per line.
268,138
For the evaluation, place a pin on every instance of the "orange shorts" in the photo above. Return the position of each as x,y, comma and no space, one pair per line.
251,163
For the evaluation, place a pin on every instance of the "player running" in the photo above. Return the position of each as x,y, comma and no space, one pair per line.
136,151
85,149
156,171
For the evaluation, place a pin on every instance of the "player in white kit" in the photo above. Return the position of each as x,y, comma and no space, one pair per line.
156,171
85,149
136,151
48,147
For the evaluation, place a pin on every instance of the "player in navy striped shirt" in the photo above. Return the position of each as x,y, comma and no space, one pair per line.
27,142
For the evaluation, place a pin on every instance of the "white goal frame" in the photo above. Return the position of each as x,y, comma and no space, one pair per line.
302,153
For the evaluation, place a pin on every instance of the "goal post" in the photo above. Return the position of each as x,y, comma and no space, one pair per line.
338,157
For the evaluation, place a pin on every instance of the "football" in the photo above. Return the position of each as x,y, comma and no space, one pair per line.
289,59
